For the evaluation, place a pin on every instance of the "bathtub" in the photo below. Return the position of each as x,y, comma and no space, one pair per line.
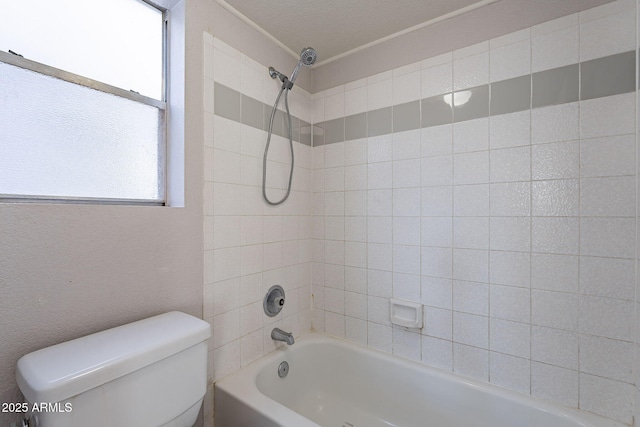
335,383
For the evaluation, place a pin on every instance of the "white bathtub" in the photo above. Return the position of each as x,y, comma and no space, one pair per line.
338,384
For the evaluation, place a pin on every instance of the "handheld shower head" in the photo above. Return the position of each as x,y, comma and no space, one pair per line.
308,57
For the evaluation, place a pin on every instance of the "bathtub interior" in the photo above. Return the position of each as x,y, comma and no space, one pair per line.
333,384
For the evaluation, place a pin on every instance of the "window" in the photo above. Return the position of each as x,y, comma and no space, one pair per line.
82,101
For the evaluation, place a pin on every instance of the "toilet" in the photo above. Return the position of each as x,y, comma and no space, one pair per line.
150,373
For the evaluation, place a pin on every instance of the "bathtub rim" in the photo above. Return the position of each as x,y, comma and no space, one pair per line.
235,385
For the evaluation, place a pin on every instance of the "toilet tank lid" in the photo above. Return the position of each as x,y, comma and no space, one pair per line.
59,372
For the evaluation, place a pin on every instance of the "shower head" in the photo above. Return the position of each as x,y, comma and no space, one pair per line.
308,57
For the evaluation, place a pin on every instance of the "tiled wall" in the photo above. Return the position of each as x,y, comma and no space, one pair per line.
250,246
495,184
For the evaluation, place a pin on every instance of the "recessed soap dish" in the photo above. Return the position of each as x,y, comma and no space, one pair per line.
405,313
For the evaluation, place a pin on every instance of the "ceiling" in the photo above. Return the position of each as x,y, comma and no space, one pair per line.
335,27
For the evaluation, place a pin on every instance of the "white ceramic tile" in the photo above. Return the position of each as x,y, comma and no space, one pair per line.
334,276
437,170
406,145
471,232
334,106
356,330
334,227
555,160
355,203
406,287
226,69
471,50
607,277
511,338
334,252
226,328
554,347
355,101
334,203
557,48
436,231
227,134
471,135
510,268
406,87
378,310
471,329
333,155
406,259
512,60
607,358
555,272
510,234
379,337
380,148
380,229
334,301
609,156
226,231
471,265
606,317
470,200
608,35
610,115
471,361
355,279
437,353
436,292
407,173
334,179
437,262
334,324
510,130
227,359
609,237
407,201
555,198
509,371
470,297
437,140
438,323
510,199
251,347
355,152
406,231
554,309
438,201
555,123
379,202
471,168
227,264
554,25
379,94
608,196
406,344
251,78
557,235
553,383
612,399
380,256
510,303
510,164
471,71
225,296
437,80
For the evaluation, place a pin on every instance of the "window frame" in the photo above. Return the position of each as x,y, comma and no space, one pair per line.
17,60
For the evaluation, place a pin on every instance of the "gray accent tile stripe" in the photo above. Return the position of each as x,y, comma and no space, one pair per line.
355,126
611,75
435,111
476,105
509,96
334,131
406,116
379,121
556,86
252,112
226,102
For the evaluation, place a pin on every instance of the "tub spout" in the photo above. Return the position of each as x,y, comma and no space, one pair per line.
280,335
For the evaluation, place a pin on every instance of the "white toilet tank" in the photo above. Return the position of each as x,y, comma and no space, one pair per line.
148,373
